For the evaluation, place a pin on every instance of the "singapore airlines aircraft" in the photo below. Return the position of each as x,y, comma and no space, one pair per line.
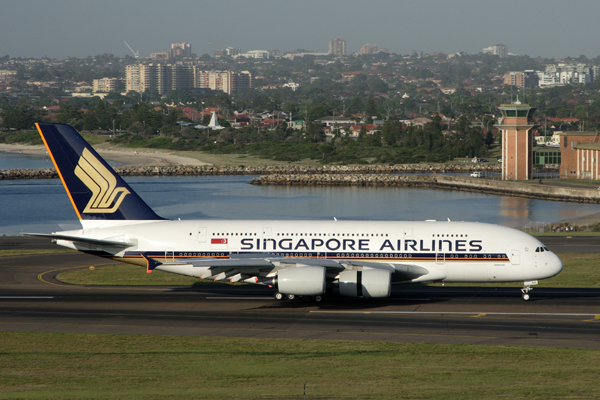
297,258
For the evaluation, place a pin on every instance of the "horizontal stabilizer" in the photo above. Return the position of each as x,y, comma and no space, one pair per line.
77,239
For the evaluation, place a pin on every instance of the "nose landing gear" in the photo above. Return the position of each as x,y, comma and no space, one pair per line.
527,288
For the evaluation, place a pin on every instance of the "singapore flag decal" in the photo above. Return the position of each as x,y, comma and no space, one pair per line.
218,241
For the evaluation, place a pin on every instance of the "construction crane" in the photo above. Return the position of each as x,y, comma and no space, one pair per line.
136,54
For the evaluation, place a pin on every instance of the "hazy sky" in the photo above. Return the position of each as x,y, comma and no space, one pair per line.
78,28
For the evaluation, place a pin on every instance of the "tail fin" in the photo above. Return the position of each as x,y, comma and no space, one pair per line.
95,189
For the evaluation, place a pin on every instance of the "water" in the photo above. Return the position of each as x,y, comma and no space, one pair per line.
43,205
24,161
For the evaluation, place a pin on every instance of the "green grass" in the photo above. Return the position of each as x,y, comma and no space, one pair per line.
130,275
564,234
23,252
86,366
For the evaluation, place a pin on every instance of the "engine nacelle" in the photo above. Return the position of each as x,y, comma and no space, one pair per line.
367,283
301,281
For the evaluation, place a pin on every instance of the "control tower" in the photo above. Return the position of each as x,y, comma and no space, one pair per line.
517,140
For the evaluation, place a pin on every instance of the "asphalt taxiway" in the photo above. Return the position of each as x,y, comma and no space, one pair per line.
32,300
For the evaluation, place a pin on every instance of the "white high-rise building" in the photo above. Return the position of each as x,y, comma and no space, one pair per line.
499,50
338,48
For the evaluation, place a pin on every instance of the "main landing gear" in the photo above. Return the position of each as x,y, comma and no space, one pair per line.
527,288
280,297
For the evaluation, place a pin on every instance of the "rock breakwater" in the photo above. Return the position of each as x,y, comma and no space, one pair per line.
374,180
49,173
502,188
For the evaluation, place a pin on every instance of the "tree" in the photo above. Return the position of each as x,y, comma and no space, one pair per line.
21,117
362,134
317,112
371,107
315,132
391,132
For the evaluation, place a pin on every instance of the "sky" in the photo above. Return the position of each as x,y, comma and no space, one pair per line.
81,28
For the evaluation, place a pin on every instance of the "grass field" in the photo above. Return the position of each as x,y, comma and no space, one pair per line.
96,366
127,274
20,252
565,234
580,270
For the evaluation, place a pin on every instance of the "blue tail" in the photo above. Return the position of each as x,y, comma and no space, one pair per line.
95,189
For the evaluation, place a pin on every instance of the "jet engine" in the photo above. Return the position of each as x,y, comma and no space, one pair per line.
301,281
367,283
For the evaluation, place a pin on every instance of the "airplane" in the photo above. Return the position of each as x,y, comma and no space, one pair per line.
212,125
296,258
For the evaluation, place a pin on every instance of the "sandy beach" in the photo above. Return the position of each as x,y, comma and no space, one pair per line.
137,157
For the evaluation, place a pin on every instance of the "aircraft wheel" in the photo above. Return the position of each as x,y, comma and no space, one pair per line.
291,296
526,296
279,296
318,299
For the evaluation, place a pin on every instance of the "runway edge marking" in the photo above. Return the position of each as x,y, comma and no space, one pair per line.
474,313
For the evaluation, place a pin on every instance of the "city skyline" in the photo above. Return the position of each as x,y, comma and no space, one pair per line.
69,28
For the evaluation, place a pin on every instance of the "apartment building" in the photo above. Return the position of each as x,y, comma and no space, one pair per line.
369,49
522,79
166,78
106,85
181,50
142,77
499,50
226,81
338,47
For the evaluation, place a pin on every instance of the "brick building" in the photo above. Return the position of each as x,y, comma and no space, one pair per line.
579,155
517,141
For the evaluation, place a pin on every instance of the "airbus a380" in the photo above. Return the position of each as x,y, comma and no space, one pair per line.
297,258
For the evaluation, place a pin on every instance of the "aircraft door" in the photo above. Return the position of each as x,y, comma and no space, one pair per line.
267,242
201,235
266,233
440,258
515,257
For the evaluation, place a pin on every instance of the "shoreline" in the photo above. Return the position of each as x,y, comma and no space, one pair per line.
144,162
133,157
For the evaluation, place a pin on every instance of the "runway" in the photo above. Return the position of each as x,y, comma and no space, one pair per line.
31,300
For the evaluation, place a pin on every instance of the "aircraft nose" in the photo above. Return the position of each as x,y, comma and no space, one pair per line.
553,265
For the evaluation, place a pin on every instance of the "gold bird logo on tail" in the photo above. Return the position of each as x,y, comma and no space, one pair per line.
106,196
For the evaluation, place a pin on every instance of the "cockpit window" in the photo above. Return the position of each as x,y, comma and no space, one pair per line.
545,248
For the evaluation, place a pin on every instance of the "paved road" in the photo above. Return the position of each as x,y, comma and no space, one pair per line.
32,300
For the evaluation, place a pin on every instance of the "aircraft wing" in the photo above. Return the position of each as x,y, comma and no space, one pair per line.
262,264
